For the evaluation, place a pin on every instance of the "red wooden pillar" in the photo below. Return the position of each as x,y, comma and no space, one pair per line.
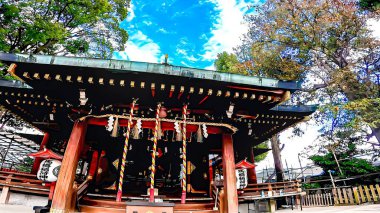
37,161
63,194
252,178
229,175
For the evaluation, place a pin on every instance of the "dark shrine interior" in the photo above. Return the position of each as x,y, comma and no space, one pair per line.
137,171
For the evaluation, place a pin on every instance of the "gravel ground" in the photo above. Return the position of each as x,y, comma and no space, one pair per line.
345,209
15,209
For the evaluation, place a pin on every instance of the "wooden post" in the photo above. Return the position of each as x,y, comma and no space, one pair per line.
5,193
356,195
378,189
252,177
335,194
367,194
374,196
222,201
362,194
340,195
230,190
37,161
63,196
344,191
350,198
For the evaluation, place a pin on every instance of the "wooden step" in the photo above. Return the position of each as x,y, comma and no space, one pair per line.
103,203
198,211
97,205
99,209
193,207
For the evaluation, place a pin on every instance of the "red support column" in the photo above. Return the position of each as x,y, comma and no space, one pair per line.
229,175
63,194
94,165
252,177
37,161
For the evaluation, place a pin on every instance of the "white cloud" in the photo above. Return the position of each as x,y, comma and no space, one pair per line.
141,48
191,58
203,37
147,22
162,30
185,64
131,12
181,51
227,29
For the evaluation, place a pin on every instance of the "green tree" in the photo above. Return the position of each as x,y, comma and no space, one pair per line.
324,43
25,165
63,27
264,155
229,63
370,4
349,164
60,27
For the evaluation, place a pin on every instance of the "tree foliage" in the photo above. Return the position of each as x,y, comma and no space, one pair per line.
228,62
325,44
60,27
349,164
370,4
65,27
25,165
261,157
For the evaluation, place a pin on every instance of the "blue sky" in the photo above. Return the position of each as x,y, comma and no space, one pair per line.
191,32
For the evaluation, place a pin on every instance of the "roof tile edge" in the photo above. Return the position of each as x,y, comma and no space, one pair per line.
146,67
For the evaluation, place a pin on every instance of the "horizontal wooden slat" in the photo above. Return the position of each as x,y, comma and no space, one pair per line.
96,209
19,174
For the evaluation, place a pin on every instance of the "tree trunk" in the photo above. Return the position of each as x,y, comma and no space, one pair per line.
376,133
275,144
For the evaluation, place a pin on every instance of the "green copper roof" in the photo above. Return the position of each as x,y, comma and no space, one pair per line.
143,67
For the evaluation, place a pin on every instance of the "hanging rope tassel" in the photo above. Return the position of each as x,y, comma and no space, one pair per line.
125,150
159,131
135,132
153,167
115,129
199,134
178,136
183,171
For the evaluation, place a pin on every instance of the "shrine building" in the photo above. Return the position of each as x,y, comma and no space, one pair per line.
123,136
